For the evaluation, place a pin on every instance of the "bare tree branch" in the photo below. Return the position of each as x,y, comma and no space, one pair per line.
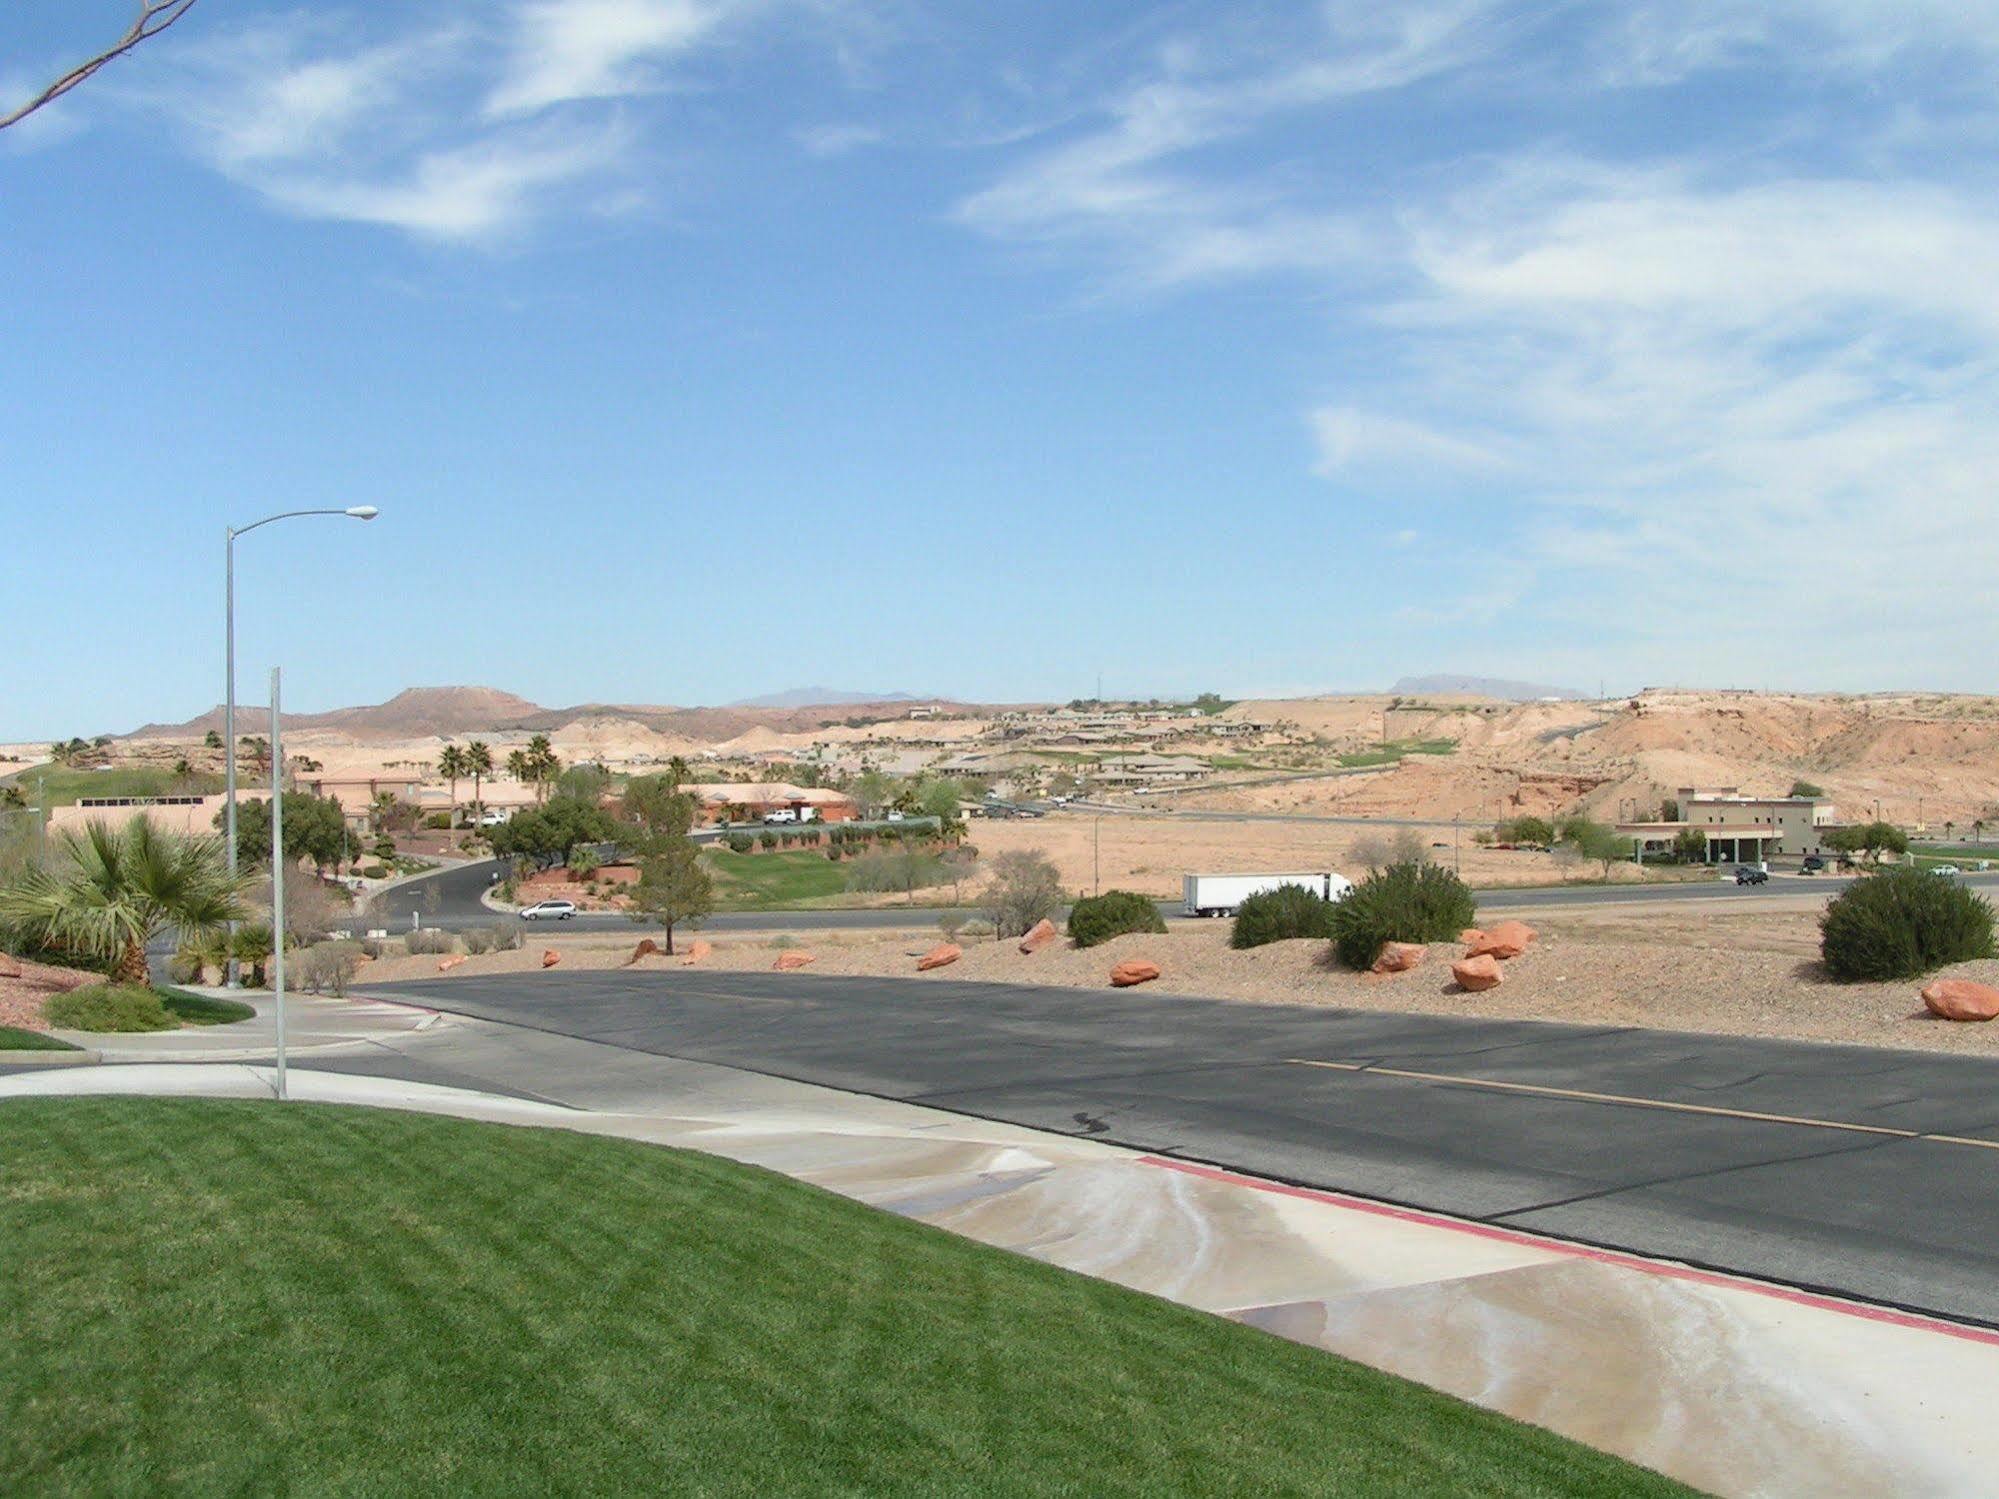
154,17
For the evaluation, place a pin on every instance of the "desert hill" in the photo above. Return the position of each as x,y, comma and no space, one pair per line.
1505,689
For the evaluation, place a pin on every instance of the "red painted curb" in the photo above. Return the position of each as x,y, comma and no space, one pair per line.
1563,1247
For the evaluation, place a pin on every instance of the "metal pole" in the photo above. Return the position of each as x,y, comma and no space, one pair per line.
230,977
1097,854
278,874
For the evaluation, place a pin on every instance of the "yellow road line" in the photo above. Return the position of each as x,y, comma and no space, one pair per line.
1453,1080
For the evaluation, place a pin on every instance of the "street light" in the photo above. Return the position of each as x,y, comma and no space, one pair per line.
230,533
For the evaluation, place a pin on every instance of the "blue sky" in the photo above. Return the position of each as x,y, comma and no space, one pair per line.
698,348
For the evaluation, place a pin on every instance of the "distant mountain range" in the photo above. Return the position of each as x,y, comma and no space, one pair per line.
1445,684
824,697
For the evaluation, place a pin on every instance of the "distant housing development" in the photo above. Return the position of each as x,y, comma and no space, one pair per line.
746,801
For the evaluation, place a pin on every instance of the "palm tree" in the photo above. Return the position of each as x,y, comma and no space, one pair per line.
543,766
517,766
676,771
117,890
451,765
478,765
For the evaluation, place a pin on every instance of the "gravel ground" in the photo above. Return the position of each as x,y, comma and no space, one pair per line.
21,999
1737,974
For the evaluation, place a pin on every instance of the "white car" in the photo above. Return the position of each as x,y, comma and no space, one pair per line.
494,818
1948,871
549,910
782,814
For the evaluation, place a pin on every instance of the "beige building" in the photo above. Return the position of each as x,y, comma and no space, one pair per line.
170,814
1741,829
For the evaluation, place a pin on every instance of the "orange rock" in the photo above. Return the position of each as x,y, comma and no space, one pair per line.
1039,936
938,956
550,957
445,965
1471,935
1481,971
1961,999
1509,939
697,950
786,961
1400,957
1133,971
646,948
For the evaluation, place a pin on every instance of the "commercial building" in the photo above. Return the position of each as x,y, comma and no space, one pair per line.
169,814
1741,829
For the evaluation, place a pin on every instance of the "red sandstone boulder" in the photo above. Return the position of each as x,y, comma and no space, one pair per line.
445,965
1471,935
646,948
697,950
1478,972
787,961
1961,999
550,957
1039,936
1400,957
1509,939
938,956
1133,971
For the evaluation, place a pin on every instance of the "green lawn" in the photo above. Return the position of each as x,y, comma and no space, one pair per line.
773,881
198,1009
242,1296
1396,749
1965,855
66,786
13,1039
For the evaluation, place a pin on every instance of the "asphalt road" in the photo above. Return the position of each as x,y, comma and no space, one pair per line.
457,903
1865,1172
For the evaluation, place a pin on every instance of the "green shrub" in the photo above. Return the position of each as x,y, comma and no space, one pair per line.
1403,903
438,822
1903,924
1534,830
375,872
110,1008
1281,914
741,843
767,838
1098,918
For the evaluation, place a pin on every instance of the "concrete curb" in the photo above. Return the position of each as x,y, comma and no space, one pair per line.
12,1058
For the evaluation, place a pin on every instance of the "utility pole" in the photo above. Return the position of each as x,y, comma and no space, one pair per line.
278,873
1097,854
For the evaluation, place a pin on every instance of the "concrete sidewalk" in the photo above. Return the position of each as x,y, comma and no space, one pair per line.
315,1025
1736,1386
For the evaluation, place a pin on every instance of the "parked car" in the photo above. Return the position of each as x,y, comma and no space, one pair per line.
494,817
1948,871
1813,865
782,814
1749,874
549,910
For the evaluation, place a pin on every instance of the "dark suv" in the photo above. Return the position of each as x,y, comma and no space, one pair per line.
1813,865
1748,874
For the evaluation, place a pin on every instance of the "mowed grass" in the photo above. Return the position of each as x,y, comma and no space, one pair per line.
241,1296
66,785
13,1038
775,880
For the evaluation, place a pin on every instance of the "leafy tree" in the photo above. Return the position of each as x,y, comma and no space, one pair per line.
113,891
1669,809
673,887
547,834
1024,888
655,807
586,783
1592,840
315,831
1690,844
871,791
1879,838
1805,788
938,797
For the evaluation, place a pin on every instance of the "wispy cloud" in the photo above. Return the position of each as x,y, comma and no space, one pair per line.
837,139
565,50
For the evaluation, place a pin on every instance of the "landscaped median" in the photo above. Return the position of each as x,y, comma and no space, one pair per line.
216,1295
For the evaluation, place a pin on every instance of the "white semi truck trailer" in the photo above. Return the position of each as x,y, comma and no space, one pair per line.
1223,894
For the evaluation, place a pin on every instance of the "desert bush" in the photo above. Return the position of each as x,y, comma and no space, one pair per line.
438,822
505,938
906,871
1903,924
1098,918
1535,830
741,843
1403,903
767,838
478,940
109,1008
329,967
374,947
428,941
950,924
976,931
1281,914
1378,851
1024,888
375,872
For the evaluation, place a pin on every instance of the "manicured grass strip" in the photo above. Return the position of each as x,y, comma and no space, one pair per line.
771,881
199,1009
14,1039
237,1296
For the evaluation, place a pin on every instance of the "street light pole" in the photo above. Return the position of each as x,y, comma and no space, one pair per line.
229,535
278,870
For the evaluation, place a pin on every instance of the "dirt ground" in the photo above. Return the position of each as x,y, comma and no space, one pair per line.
22,999
1742,973
1150,854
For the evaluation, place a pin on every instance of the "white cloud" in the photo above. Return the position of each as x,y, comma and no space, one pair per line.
836,140
564,50
1349,438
